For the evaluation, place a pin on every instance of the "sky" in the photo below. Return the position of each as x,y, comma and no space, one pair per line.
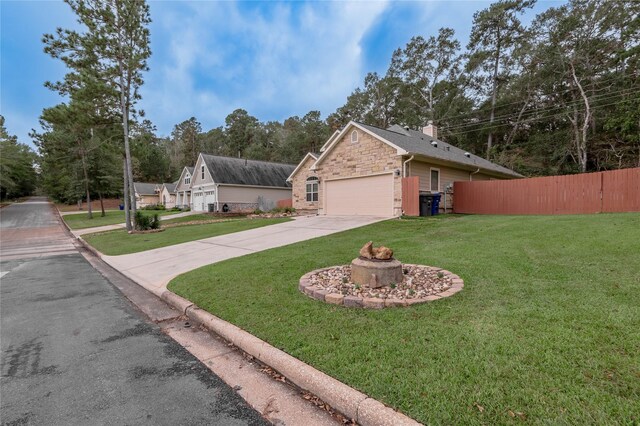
274,59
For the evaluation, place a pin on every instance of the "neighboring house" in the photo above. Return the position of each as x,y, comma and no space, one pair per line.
234,184
183,188
168,194
359,170
147,193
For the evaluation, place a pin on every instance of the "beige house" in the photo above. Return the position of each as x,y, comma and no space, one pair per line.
225,184
168,195
359,170
183,188
147,193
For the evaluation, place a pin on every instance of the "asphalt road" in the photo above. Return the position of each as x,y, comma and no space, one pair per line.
75,351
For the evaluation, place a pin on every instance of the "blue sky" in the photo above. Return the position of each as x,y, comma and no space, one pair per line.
274,59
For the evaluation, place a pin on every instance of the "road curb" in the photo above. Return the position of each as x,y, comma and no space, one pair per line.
88,246
345,399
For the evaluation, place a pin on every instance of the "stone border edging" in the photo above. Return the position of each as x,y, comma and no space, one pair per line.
318,293
345,399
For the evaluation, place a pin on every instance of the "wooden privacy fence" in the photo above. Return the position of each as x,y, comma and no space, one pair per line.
411,196
287,202
612,191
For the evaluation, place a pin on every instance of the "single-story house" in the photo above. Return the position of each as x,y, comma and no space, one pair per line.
147,193
359,170
168,194
224,184
183,188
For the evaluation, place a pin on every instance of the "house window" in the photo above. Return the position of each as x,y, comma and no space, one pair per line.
435,180
202,172
312,188
354,136
187,180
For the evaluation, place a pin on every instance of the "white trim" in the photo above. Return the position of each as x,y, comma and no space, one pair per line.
399,151
439,174
182,177
312,180
309,154
361,176
328,142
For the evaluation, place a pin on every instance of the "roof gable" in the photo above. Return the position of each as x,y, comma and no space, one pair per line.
143,188
238,171
333,141
310,155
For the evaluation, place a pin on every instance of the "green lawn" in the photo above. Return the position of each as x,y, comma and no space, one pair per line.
118,242
546,330
112,217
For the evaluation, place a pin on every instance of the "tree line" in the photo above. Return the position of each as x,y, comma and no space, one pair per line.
556,96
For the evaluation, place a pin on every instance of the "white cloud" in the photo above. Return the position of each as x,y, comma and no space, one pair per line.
213,57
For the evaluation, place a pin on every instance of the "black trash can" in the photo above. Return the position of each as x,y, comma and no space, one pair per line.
435,205
426,205
121,206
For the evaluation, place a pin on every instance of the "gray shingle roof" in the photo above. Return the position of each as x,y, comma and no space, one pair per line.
190,170
146,188
171,187
239,171
416,142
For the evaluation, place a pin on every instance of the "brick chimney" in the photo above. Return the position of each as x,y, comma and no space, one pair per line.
430,130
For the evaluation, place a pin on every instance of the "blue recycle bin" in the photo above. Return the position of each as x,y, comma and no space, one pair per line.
435,205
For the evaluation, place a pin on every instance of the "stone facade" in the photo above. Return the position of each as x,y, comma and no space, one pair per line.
368,156
299,188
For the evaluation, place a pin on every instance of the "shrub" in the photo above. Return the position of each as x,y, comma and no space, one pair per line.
282,210
257,211
154,207
145,223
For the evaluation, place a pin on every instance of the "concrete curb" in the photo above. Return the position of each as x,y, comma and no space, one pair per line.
345,399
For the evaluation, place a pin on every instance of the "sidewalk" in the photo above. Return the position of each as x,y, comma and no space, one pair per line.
79,232
153,269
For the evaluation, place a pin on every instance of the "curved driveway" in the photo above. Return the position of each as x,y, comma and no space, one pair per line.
154,269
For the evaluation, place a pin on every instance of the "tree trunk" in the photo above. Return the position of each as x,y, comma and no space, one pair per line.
127,152
127,211
494,95
86,180
103,214
582,141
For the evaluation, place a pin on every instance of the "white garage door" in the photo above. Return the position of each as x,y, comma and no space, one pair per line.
365,196
209,198
197,201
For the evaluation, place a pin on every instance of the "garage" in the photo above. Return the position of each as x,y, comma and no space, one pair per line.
364,196
209,201
197,201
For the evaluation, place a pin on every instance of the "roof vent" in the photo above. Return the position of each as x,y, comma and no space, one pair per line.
406,127
434,144
467,154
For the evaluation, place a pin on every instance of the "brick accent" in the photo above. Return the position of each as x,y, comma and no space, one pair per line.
368,156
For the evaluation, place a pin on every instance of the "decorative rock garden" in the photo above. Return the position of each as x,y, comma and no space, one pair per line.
376,280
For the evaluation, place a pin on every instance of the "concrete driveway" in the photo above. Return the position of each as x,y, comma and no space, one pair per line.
154,269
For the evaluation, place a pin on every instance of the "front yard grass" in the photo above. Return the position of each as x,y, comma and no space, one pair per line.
112,217
546,330
118,242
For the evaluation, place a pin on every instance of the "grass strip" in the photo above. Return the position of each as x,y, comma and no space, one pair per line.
119,242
